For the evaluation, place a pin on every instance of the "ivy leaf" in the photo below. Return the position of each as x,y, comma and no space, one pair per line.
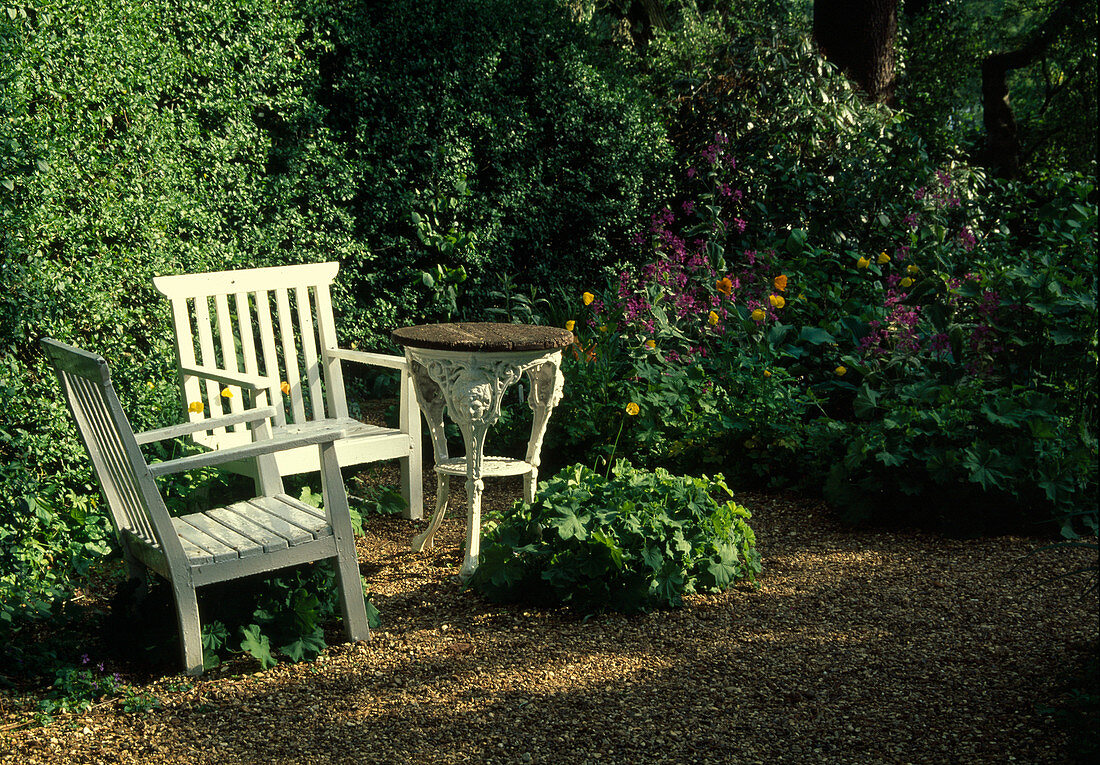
815,336
306,646
569,526
258,645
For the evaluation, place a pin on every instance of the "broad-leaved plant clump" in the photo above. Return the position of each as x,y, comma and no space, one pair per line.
631,540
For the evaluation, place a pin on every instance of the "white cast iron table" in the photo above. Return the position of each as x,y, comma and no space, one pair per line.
467,367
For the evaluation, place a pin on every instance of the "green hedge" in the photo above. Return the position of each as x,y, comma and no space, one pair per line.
145,138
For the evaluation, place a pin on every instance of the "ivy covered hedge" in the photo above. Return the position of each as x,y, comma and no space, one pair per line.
141,138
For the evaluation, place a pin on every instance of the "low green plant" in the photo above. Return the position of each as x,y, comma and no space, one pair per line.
630,541
76,689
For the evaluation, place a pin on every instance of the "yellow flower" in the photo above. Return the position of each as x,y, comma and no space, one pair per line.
777,300
587,298
907,282
632,409
570,324
862,263
712,318
841,371
651,344
226,393
758,314
725,286
284,386
912,269
780,283
149,385
883,258
195,406
603,328
767,373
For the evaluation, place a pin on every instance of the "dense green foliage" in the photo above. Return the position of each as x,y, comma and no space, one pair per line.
148,138
627,541
794,287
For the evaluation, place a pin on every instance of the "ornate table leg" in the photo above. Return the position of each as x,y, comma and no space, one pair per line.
472,388
547,383
430,398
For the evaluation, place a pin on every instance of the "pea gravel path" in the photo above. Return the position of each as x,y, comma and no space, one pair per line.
860,647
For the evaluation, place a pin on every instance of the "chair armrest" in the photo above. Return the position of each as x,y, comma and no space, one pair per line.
175,431
246,451
364,357
229,377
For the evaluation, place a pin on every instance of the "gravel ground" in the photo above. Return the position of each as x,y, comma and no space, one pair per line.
859,646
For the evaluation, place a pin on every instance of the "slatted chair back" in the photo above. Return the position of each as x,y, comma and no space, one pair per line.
271,322
134,503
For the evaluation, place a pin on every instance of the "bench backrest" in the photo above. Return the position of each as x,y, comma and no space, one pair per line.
273,322
133,500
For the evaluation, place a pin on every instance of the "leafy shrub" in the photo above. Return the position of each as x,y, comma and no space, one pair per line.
628,541
239,133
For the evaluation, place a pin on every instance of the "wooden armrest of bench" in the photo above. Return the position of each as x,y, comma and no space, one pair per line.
364,357
175,431
245,451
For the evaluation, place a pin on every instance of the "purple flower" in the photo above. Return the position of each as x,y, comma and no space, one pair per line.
919,194
911,220
740,225
84,659
688,207
966,236
691,172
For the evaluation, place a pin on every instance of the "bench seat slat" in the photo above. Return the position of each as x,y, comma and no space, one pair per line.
244,547
202,543
290,510
254,512
258,533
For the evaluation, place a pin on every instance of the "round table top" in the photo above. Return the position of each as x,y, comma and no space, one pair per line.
485,337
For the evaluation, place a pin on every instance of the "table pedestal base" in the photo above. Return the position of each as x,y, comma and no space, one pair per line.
471,386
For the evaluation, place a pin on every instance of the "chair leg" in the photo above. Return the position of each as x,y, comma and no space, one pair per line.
353,605
187,612
424,539
412,485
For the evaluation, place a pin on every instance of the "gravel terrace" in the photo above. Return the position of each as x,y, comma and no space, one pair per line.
859,647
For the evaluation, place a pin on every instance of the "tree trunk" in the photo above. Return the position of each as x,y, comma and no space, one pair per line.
1003,141
858,37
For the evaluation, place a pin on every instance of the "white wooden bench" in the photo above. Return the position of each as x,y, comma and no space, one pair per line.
273,328
244,538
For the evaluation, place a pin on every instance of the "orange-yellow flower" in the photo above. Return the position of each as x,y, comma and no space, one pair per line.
767,373
907,282
841,371
777,300
883,258
758,314
284,386
712,319
226,393
725,286
912,269
780,283
587,298
862,263
570,324
651,344
632,409
196,407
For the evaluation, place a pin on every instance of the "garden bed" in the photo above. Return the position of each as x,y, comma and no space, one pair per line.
860,646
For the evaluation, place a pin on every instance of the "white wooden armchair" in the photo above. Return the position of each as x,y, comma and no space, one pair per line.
264,342
260,535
